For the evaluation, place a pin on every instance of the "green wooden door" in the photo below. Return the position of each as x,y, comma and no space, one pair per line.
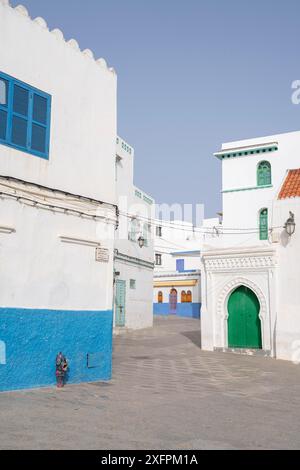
244,328
120,302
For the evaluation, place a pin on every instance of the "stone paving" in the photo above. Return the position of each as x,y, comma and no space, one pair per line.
165,394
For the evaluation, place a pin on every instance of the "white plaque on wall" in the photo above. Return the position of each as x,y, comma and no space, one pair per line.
102,255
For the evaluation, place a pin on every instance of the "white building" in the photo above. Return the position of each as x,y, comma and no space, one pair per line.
250,273
133,262
58,204
177,275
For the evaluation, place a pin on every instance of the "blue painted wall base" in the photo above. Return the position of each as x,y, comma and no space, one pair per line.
189,310
32,338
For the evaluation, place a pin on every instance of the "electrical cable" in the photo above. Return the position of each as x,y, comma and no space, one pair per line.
217,230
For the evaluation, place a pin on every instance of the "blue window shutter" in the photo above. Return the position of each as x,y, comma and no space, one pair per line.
21,101
38,138
3,124
24,117
180,265
19,131
39,113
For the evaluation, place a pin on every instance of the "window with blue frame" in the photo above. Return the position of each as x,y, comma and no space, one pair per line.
24,117
180,265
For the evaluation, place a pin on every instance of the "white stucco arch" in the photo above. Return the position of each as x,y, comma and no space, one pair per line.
222,310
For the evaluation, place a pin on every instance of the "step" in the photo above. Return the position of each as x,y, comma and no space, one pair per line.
245,351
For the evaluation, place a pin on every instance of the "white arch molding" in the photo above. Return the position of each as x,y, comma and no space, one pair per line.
222,310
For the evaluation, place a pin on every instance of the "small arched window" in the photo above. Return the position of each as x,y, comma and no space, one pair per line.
189,296
183,296
264,176
160,297
263,224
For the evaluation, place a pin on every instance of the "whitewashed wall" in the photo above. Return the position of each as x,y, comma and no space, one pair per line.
232,260
241,209
83,113
38,270
138,309
179,236
129,204
288,294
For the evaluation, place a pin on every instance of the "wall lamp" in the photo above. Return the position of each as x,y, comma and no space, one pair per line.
290,225
141,241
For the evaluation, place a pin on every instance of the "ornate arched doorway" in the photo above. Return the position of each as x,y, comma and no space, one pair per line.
244,326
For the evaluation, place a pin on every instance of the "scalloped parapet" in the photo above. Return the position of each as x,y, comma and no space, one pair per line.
41,22
88,53
101,62
58,33
22,10
74,44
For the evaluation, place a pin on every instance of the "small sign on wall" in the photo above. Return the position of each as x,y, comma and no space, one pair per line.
102,255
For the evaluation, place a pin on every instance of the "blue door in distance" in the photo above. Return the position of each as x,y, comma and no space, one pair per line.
120,302
173,302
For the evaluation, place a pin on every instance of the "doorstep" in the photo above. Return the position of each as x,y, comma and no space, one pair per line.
246,351
120,330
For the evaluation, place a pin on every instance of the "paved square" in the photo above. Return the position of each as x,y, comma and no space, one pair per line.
165,393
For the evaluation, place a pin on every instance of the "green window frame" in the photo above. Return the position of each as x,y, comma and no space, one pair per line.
263,224
264,173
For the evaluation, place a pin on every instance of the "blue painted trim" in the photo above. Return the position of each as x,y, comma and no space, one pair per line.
33,337
186,252
29,118
188,310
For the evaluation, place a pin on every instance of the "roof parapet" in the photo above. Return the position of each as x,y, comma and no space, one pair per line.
247,150
41,22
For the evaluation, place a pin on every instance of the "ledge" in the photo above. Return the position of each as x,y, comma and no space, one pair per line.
122,257
79,241
167,274
247,189
248,150
8,230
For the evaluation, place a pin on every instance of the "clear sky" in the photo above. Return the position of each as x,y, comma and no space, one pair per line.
191,75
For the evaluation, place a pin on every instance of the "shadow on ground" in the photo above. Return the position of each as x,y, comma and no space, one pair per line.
193,336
